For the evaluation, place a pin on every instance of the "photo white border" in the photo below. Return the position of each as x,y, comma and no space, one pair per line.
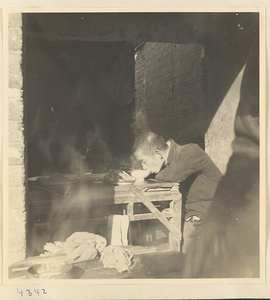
143,283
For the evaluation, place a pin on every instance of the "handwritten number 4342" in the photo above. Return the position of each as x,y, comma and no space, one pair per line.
30,293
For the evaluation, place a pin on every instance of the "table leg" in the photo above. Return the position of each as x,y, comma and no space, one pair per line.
175,206
175,231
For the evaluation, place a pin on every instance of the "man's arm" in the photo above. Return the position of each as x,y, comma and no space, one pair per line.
190,160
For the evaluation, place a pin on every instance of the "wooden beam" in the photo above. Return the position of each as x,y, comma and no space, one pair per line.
176,232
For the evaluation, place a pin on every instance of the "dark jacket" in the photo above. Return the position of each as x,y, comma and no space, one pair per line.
192,167
98,157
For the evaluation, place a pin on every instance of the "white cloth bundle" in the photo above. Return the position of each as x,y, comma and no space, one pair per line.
118,226
116,257
79,246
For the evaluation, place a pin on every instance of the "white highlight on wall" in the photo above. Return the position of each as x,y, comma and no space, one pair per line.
220,134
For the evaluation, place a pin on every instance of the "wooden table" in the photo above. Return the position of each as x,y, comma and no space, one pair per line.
154,191
84,194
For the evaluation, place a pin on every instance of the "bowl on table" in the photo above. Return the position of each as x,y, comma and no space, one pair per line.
139,175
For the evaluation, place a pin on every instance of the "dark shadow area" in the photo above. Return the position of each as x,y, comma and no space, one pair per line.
228,38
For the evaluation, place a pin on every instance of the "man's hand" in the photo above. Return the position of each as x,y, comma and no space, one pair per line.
125,176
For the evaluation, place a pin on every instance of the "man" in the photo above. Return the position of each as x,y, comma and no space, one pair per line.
92,149
187,164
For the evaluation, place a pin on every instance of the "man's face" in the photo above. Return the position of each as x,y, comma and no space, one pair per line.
151,163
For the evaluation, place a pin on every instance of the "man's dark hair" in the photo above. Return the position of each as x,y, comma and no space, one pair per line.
148,142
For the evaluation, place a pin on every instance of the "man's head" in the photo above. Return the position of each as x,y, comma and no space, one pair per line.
151,150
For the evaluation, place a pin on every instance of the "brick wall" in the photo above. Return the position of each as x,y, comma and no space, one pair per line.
169,91
17,214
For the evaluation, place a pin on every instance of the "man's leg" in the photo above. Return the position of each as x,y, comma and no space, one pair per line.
189,233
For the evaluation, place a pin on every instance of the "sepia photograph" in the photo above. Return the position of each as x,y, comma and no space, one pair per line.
134,146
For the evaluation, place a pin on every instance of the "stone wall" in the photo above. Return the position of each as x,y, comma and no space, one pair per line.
16,200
